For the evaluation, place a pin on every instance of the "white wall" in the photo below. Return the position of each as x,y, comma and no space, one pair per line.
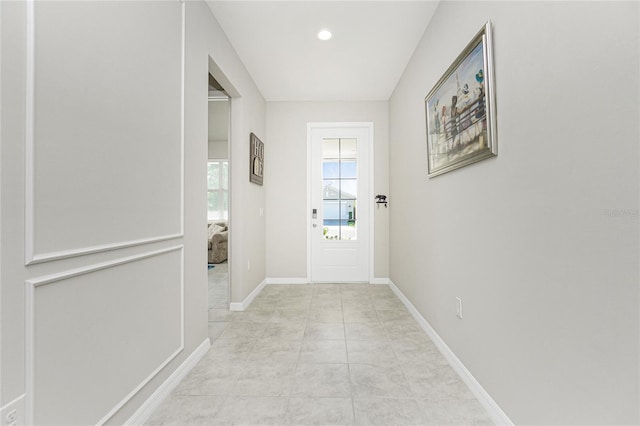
541,243
115,297
211,51
218,129
93,248
286,176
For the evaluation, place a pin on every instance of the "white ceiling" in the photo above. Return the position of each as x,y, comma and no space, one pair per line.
371,45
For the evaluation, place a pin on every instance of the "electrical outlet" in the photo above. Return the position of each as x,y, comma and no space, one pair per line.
248,265
459,307
261,212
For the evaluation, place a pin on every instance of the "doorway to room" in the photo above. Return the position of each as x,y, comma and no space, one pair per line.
218,184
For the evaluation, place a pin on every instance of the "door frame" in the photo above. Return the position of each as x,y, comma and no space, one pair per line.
341,125
233,132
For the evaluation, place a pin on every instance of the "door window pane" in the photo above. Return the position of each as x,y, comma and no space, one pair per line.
339,189
331,169
331,189
348,169
331,148
331,211
349,148
349,188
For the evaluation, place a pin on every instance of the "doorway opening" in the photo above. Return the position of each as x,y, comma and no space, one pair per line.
218,184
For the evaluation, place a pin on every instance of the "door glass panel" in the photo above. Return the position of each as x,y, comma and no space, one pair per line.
331,219
330,189
349,148
339,189
349,189
348,169
331,148
331,169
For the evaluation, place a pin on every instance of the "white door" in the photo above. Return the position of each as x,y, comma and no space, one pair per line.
340,200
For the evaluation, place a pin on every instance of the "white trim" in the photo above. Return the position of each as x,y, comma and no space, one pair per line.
48,279
498,416
309,198
372,216
15,401
276,281
236,138
31,258
183,50
29,362
142,384
49,257
29,217
32,284
145,411
17,405
304,281
241,306
182,329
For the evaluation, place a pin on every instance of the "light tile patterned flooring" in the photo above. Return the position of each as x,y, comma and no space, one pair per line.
321,354
218,287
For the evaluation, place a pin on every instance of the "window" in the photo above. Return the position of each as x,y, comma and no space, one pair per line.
339,188
218,190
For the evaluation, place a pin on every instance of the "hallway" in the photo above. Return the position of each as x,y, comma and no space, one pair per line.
321,354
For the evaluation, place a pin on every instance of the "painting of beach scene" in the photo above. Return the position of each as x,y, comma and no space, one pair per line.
459,110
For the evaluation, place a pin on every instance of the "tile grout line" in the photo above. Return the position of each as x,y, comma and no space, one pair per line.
346,348
379,303
414,396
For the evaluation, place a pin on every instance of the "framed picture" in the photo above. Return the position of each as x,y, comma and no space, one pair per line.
256,160
460,110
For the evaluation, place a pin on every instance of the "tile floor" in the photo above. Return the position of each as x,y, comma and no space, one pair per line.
218,286
322,354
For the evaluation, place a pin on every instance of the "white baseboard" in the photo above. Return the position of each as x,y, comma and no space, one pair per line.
493,409
276,281
287,281
241,306
145,411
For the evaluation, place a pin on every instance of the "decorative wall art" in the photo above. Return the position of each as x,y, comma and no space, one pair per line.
460,110
256,160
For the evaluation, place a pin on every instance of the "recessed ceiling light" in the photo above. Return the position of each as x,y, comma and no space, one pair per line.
324,35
